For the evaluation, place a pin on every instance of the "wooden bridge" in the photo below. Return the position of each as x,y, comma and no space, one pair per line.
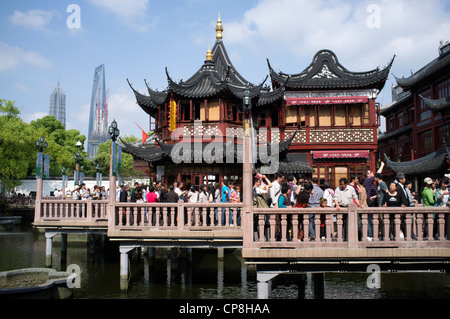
269,238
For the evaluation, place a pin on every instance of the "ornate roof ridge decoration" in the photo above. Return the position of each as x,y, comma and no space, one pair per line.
428,164
439,63
325,72
436,105
149,103
216,75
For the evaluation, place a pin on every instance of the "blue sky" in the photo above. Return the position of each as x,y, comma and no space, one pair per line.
137,39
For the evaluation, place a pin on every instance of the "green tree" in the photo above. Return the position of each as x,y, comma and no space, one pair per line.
17,145
103,159
62,144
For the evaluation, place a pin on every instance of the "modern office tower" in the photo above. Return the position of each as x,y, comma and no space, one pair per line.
58,105
98,117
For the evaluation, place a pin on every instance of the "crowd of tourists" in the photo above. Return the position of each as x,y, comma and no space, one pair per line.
368,190
286,190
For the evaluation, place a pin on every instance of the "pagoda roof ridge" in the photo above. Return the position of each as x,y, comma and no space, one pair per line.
326,72
437,64
149,103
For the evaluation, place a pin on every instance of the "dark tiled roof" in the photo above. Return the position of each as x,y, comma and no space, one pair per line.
155,153
432,163
214,77
437,105
149,103
325,72
150,153
292,167
440,63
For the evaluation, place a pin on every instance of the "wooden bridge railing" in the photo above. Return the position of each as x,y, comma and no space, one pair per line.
349,227
271,227
57,210
176,216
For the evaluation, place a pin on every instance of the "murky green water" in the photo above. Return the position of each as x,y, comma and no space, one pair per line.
197,276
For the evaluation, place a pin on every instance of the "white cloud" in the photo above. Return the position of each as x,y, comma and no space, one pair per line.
34,19
27,118
11,57
121,106
132,13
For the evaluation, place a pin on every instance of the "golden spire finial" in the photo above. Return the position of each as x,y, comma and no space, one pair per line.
209,55
219,28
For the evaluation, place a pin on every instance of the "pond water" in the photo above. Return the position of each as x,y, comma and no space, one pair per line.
199,275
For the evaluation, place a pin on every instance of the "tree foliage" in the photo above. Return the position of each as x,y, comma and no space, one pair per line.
18,148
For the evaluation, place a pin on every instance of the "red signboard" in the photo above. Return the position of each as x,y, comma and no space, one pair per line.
340,154
326,100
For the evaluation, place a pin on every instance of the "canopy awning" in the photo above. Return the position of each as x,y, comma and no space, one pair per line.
326,100
339,154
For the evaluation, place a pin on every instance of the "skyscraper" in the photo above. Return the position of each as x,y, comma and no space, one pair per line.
98,117
58,105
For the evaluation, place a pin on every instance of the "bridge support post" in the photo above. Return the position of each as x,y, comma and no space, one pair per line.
49,248
63,249
124,250
263,279
319,286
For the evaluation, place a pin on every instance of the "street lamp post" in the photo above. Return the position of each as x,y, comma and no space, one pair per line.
41,145
64,183
247,186
114,133
77,157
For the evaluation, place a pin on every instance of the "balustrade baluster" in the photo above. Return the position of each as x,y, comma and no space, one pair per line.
120,221
261,224
211,216
364,230
375,225
204,214
165,216
441,226
408,223
397,222
227,216
295,228
128,216
189,216
317,226
386,222
430,235
196,216
135,216
420,227
272,227
340,226
328,227
141,212
306,228
283,227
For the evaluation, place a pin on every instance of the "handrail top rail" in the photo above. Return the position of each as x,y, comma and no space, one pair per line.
363,210
133,204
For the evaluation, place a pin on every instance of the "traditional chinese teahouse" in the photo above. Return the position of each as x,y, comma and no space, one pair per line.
323,120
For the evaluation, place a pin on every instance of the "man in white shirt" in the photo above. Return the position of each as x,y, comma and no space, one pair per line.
344,194
275,190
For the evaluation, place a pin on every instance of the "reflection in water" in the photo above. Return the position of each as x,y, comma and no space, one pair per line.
197,273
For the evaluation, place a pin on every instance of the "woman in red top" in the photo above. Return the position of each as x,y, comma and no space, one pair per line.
152,197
